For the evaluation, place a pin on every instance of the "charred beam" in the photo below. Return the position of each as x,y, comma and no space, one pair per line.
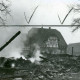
7,43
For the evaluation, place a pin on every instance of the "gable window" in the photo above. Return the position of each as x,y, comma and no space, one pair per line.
52,42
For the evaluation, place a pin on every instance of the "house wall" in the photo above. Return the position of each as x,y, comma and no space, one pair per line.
76,49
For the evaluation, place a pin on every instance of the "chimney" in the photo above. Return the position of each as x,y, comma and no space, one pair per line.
49,27
42,27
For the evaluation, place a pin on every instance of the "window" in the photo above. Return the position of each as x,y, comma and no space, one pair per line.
52,42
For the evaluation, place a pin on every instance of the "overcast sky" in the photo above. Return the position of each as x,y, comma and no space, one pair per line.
46,14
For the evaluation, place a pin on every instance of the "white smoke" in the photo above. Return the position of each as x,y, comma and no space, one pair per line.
14,49
36,54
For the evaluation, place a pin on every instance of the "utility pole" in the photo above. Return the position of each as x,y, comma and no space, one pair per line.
72,50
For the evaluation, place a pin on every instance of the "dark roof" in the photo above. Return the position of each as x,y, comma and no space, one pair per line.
40,35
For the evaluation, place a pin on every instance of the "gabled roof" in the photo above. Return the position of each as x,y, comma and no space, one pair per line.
40,35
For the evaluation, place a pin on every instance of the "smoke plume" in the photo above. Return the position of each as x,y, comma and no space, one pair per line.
36,53
14,49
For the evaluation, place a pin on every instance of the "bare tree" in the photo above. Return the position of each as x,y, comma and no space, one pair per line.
4,11
76,21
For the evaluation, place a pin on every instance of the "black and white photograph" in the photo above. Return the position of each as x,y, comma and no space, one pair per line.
39,39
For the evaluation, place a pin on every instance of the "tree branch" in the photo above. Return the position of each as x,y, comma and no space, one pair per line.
28,21
65,16
59,19
4,10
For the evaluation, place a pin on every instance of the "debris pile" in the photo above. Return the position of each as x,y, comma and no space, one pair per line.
57,67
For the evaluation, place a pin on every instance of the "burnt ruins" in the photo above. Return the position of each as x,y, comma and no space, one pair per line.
45,40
